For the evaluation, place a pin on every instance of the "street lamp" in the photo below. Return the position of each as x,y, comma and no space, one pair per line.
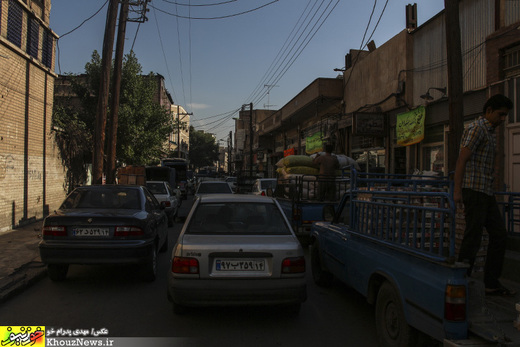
428,97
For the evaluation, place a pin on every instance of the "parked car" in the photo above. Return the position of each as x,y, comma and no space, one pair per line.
212,187
263,186
236,250
164,192
105,224
232,181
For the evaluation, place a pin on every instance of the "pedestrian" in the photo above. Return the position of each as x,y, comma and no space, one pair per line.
474,174
328,166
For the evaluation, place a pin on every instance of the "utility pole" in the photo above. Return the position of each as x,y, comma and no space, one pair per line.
230,145
179,130
101,116
455,83
116,88
251,140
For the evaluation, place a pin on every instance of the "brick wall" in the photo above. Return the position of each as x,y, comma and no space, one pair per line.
31,173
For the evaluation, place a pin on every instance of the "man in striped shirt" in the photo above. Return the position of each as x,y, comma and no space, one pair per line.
474,174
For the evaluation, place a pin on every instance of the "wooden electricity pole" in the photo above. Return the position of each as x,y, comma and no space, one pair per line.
116,88
455,82
101,116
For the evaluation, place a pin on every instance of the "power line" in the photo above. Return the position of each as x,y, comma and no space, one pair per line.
164,54
199,5
219,17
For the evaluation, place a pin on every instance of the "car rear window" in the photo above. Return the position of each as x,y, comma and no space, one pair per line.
103,198
156,188
214,188
268,184
238,219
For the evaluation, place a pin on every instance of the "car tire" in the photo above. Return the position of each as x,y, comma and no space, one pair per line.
179,309
57,272
149,269
321,277
391,326
164,247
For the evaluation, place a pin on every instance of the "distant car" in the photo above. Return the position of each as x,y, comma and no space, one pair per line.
212,187
236,250
232,181
105,224
263,186
164,192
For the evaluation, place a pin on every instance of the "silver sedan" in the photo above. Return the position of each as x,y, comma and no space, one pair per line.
236,250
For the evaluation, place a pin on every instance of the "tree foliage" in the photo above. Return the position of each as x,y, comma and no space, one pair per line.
143,124
203,148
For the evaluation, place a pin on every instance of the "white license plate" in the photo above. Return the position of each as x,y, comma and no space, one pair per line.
90,231
240,264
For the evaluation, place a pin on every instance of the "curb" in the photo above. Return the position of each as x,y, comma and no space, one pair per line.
22,278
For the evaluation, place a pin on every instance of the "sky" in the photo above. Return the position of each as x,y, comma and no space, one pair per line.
217,55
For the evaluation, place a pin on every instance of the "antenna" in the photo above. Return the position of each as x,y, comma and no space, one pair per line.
269,87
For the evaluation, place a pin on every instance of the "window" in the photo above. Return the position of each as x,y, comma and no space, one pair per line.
33,36
48,44
14,23
512,61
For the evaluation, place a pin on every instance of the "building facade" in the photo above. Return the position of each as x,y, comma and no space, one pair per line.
29,161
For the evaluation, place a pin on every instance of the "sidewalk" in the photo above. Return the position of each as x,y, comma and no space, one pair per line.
20,263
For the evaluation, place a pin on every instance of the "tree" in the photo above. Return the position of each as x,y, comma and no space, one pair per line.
143,127
203,148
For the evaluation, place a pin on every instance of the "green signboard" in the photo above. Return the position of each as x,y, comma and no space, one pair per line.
410,127
314,144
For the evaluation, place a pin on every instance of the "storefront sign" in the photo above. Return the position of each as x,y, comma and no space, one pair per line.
410,127
290,151
369,124
314,143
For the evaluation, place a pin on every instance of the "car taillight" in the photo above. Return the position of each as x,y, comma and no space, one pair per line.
184,265
167,204
263,193
455,303
54,230
128,231
293,265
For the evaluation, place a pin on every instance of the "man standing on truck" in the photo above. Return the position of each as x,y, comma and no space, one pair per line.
328,166
474,174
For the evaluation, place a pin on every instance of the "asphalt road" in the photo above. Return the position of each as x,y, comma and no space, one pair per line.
114,297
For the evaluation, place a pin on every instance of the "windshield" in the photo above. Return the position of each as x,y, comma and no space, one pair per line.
108,198
238,218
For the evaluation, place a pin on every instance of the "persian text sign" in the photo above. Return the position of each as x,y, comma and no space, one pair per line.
314,144
410,127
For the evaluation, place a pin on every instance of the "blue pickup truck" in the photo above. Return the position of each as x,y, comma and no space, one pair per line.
394,241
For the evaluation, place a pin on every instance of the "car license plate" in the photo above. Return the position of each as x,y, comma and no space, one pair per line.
240,265
90,231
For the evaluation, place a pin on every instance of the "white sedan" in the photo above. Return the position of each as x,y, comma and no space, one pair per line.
236,250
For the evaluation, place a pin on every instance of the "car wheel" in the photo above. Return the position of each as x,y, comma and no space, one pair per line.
149,269
391,326
164,247
57,272
179,309
320,276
